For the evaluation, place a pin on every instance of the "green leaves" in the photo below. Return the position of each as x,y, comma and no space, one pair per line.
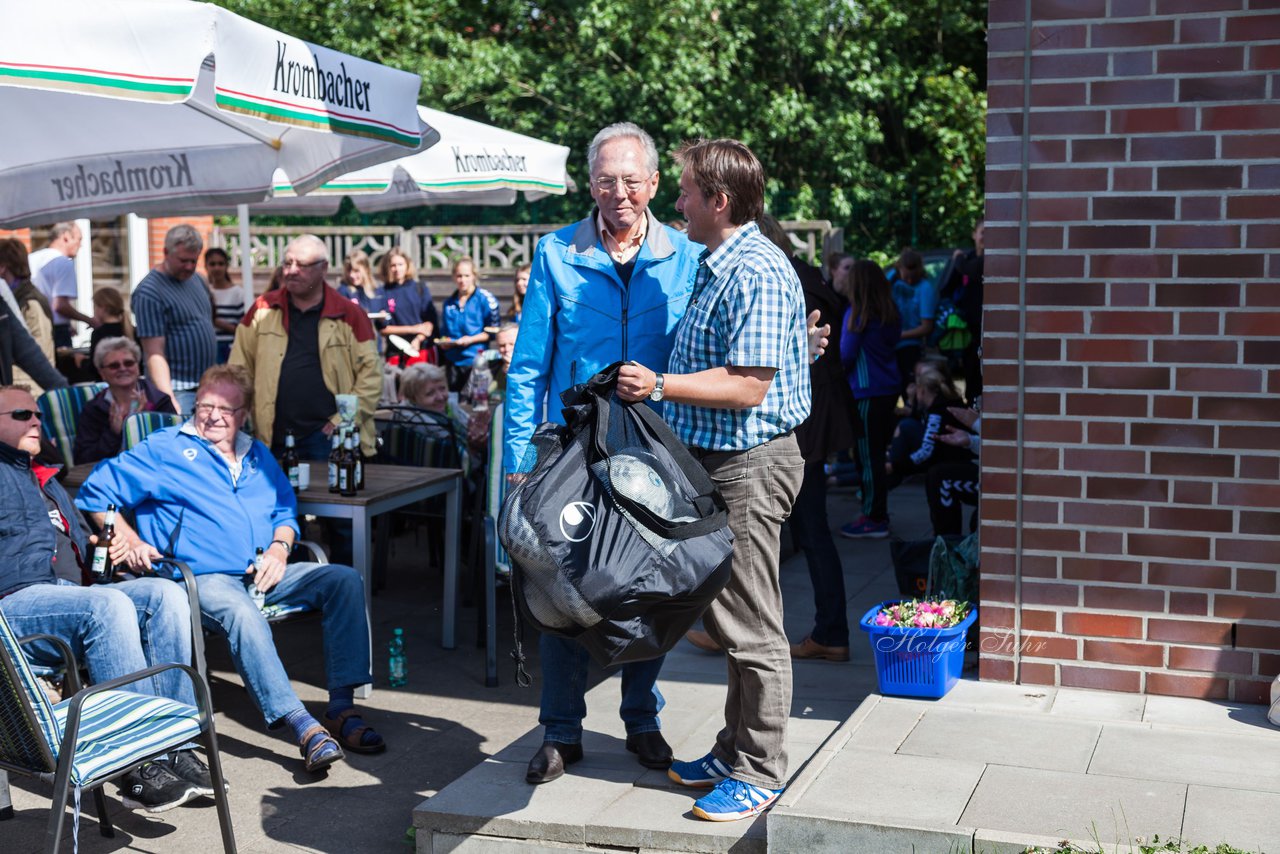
854,106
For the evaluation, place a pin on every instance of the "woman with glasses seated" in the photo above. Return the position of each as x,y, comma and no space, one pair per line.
100,432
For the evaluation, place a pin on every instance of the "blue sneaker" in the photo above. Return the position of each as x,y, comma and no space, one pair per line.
732,799
701,773
865,529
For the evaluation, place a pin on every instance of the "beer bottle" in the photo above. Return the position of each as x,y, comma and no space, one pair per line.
290,462
359,456
347,469
101,568
335,458
259,598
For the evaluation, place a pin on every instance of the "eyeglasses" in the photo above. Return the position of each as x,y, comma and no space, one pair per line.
632,184
121,366
301,265
23,414
207,409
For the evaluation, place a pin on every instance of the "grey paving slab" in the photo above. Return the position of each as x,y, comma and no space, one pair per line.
1241,818
1098,705
452,843
870,786
885,728
998,697
1071,805
494,799
1033,741
793,831
662,819
1209,758
1205,714
1003,842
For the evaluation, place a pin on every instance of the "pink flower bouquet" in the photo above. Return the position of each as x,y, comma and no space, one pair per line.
923,614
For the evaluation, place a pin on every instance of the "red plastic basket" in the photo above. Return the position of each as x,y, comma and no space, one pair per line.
916,662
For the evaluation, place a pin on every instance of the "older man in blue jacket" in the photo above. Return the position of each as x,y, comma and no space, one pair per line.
610,287
211,495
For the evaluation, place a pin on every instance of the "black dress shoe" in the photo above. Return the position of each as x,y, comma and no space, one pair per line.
651,749
549,762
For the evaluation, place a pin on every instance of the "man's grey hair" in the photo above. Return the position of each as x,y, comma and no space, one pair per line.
315,244
183,237
624,129
61,228
107,346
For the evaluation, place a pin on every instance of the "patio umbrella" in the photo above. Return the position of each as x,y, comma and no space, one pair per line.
155,106
473,164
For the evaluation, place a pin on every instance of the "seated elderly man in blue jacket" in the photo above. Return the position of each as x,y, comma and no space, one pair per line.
211,495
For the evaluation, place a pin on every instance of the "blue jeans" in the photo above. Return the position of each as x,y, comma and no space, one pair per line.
564,689
186,401
331,588
113,629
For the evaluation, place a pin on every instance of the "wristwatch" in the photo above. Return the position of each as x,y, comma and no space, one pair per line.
656,394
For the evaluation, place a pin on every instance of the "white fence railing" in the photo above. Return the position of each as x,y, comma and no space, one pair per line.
497,249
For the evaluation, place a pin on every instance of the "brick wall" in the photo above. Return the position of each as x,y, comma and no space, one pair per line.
159,226
1133,346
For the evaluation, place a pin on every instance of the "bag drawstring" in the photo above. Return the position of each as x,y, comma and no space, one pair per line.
523,679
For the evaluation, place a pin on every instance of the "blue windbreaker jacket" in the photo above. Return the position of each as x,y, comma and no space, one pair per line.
579,318
175,477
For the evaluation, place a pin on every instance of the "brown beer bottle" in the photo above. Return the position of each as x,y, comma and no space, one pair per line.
101,567
347,470
290,462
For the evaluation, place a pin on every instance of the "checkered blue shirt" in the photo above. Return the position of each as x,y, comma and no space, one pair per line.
747,310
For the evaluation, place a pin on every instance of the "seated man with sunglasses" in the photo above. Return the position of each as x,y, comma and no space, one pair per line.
113,629
210,495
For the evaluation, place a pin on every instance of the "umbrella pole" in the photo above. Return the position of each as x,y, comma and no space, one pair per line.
246,256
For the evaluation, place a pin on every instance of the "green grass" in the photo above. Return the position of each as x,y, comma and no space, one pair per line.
1139,846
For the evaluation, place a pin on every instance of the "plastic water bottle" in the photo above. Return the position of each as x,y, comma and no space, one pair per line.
478,385
399,666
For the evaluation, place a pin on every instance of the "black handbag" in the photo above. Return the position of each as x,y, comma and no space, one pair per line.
617,537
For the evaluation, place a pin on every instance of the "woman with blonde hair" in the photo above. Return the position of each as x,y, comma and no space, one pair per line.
413,311
100,433
468,311
358,284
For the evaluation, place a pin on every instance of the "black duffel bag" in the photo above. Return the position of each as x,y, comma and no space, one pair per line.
617,537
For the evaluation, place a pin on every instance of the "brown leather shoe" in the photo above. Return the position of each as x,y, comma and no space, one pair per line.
651,749
702,641
549,762
809,648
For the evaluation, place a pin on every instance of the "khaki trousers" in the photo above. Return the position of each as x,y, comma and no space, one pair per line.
759,486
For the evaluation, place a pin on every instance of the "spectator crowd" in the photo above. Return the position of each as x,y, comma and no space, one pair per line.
784,380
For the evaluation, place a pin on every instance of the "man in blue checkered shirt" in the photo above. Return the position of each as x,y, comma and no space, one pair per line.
736,387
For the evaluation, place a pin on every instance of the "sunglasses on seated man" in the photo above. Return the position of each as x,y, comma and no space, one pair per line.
23,414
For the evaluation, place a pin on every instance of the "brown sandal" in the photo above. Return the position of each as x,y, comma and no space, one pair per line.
353,741
310,758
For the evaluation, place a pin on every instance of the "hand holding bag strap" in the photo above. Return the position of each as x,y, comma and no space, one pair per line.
708,502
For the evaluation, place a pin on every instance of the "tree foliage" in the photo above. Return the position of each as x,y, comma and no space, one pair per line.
869,113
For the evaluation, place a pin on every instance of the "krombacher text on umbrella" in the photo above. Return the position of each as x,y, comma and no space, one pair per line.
309,80
486,162
85,184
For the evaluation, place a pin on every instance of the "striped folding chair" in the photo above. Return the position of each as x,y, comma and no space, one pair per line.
60,410
140,425
99,734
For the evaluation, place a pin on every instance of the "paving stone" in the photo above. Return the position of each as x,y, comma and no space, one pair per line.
493,798
1003,842
1243,819
792,831
885,728
663,819
1034,741
1071,805
452,843
997,697
1208,758
870,786
1098,705
1204,714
